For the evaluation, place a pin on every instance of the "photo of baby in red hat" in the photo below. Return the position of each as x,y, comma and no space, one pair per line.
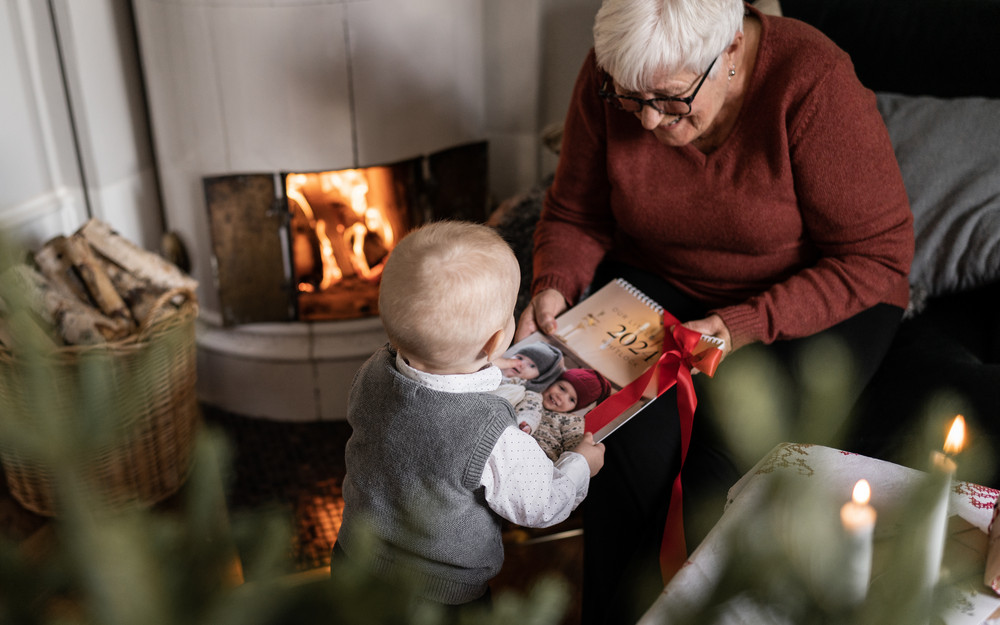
563,406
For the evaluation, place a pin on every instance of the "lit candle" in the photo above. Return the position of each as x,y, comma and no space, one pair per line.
858,519
942,471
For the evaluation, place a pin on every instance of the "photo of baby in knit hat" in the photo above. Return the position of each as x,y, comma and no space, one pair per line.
528,370
533,366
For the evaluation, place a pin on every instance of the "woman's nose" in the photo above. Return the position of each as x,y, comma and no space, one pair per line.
650,117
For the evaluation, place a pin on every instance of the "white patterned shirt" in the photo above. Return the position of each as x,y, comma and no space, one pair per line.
522,484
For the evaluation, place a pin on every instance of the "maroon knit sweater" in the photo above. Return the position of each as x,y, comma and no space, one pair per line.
796,222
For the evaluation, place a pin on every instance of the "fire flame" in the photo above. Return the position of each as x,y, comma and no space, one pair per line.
331,271
955,441
862,492
349,241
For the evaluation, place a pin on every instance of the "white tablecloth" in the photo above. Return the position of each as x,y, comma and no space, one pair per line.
829,475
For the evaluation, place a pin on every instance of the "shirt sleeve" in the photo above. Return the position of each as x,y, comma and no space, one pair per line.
525,487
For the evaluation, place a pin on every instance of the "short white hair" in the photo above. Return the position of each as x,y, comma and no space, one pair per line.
636,39
446,288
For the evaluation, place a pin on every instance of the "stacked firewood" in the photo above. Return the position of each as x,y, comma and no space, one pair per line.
91,287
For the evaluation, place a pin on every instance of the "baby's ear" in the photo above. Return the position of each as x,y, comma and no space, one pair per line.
493,344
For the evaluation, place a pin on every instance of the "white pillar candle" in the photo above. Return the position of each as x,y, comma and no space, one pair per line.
942,472
858,519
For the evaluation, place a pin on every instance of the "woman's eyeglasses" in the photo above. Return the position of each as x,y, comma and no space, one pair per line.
665,105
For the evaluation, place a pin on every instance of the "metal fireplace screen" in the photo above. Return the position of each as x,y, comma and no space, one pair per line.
310,246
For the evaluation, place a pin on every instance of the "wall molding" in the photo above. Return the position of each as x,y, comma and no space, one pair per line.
61,203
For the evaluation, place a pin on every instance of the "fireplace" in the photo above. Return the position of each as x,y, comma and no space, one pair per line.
310,246
297,258
306,246
253,103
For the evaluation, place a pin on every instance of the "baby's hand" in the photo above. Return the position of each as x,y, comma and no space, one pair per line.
593,452
505,363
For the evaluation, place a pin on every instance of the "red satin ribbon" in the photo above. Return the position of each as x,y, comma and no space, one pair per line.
678,350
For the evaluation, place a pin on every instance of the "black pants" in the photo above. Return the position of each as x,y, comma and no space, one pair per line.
626,508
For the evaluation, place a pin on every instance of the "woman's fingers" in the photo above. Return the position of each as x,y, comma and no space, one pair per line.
541,313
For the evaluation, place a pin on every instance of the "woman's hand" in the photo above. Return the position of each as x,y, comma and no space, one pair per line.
713,326
540,314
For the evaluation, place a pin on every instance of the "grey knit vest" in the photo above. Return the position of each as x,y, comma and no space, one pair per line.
415,460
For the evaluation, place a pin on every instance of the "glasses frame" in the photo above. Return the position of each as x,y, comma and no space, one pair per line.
612,97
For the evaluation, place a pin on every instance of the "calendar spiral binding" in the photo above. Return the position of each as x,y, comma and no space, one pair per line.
639,295
648,301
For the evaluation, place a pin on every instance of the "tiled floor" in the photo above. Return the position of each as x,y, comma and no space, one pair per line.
297,466
300,467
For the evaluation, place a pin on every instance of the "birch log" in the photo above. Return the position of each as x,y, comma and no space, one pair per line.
99,285
79,323
143,263
54,263
139,294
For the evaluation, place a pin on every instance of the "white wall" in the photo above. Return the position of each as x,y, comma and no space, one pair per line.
105,89
74,126
567,36
534,49
40,187
245,86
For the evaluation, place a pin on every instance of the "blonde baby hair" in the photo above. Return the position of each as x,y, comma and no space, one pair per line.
446,289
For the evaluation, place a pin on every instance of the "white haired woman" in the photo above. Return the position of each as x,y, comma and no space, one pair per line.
731,165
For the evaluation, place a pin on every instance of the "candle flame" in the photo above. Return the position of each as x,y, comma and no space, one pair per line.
956,436
862,492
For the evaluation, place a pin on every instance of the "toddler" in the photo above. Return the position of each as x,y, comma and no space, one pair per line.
435,460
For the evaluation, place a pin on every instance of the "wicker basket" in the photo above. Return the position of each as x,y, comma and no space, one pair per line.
146,392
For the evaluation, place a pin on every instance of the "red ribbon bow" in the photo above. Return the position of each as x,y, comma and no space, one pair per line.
673,367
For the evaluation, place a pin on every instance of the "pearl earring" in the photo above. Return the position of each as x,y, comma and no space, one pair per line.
732,71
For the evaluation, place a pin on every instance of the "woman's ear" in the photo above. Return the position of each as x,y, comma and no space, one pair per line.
738,40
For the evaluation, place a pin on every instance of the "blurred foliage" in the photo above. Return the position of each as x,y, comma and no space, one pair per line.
179,566
183,564
786,565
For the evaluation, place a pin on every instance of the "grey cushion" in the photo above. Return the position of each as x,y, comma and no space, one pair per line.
949,153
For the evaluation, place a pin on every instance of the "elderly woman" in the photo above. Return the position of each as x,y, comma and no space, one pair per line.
730,165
